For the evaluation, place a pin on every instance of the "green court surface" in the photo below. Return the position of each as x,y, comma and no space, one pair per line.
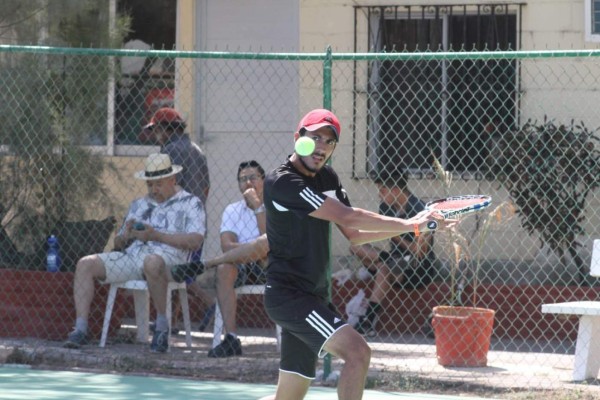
25,383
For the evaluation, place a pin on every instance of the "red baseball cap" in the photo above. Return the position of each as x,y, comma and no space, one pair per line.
319,118
165,115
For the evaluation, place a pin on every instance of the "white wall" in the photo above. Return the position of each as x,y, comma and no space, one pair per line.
262,123
266,124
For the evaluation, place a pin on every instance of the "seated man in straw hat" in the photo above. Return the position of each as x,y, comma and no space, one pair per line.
161,229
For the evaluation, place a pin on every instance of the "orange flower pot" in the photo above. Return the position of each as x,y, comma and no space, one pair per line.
462,335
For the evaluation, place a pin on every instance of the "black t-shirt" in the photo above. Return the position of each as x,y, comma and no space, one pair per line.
299,244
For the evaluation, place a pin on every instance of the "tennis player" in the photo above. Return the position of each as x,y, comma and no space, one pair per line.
301,198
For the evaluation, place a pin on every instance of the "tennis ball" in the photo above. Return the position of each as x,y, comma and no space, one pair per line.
305,146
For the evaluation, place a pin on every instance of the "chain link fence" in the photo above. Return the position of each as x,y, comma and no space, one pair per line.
518,126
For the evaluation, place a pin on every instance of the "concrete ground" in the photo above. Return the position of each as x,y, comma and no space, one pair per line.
19,383
408,367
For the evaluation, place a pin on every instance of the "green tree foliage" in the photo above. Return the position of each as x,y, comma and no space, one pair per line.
53,104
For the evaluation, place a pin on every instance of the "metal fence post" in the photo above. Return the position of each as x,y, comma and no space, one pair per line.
327,104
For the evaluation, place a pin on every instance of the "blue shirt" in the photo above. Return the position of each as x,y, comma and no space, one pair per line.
194,178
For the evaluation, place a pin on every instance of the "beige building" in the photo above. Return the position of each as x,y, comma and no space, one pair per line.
311,26
392,110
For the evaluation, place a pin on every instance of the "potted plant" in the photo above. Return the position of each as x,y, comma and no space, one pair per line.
549,171
463,333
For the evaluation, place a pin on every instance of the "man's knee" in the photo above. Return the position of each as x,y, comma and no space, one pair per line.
361,354
350,346
226,274
154,265
90,266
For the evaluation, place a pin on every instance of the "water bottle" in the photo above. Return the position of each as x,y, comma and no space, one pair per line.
52,256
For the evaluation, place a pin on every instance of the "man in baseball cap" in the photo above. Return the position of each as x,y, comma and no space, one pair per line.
166,116
302,198
167,128
319,118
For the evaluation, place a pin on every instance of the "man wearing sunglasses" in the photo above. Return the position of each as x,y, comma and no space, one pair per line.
242,222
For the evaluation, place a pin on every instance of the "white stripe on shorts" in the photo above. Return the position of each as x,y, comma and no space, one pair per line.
322,326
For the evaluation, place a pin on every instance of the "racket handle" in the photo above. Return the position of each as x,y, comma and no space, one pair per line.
432,225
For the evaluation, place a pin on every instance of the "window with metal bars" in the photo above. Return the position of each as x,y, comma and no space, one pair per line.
592,20
451,108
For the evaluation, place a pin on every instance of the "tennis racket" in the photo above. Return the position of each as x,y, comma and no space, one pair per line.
457,206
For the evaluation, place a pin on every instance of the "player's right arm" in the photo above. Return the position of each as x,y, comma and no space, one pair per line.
363,226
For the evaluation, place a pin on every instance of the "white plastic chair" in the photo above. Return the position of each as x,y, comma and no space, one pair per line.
141,300
218,325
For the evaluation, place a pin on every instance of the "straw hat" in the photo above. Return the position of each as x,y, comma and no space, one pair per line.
158,166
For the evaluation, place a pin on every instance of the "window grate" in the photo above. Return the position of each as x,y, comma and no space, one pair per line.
445,107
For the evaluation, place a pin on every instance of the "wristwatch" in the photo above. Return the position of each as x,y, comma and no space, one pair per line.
260,209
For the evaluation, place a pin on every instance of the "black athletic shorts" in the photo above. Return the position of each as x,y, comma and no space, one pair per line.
306,321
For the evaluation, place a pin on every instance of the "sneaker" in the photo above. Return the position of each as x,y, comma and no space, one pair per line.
152,327
75,340
160,342
187,272
230,346
365,327
208,316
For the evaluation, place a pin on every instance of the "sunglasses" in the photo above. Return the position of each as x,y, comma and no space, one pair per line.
251,178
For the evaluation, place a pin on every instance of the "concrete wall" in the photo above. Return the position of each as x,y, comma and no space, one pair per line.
311,26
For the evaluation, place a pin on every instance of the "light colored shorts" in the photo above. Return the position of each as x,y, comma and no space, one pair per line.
121,267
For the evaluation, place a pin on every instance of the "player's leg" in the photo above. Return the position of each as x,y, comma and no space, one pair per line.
381,286
297,367
158,278
106,267
370,256
351,347
291,386
88,270
226,276
313,327
205,287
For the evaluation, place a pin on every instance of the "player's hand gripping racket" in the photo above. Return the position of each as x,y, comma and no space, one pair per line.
457,206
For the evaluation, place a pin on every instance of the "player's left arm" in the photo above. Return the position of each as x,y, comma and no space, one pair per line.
358,237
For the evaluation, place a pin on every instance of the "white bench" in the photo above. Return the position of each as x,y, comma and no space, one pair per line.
587,348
